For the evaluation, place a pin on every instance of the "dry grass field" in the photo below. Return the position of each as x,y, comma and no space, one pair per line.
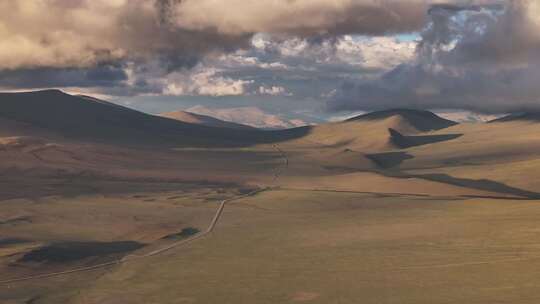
324,247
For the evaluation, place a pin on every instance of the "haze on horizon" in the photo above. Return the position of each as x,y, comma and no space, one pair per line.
308,58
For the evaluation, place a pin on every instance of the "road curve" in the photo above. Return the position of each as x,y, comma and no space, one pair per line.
199,235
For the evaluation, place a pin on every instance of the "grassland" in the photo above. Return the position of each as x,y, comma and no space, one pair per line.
300,246
451,216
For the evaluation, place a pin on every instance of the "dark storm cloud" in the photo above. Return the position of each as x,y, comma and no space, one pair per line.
84,33
481,58
102,76
493,34
417,86
64,37
305,18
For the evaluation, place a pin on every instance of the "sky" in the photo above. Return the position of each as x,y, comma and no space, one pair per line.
303,58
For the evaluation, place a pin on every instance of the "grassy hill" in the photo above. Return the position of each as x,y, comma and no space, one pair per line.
412,119
370,132
84,118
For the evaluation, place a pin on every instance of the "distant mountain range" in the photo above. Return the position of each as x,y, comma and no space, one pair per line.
204,120
527,116
57,132
250,116
468,117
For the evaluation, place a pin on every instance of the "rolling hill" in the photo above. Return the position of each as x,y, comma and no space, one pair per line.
370,132
417,119
87,118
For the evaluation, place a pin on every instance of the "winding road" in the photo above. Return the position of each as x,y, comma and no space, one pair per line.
199,235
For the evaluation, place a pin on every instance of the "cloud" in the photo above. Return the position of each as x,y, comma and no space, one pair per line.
480,58
480,55
273,67
494,34
204,82
357,51
304,18
98,76
309,70
147,43
274,91
426,87
86,33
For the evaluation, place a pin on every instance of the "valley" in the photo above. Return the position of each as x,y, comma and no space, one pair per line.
397,206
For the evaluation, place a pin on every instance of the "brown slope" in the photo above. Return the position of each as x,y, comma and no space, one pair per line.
85,118
418,119
369,132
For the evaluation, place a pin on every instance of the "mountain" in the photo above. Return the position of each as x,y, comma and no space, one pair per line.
83,118
204,120
467,116
526,116
251,116
417,119
370,132
86,118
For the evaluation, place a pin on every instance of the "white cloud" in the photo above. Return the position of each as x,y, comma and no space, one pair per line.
375,52
269,67
244,59
359,51
274,91
204,82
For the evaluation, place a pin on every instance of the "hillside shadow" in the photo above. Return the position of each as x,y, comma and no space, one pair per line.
12,241
73,251
83,119
406,141
480,184
185,233
477,184
389,159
